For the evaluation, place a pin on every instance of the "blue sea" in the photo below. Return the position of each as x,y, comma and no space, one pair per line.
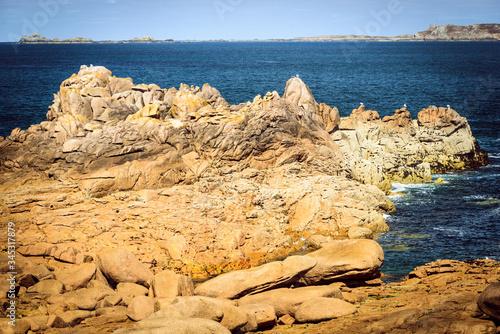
459,219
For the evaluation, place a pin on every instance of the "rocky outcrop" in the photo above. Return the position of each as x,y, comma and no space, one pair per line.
399,149
251,182
128,188
39,39
35,38
450,32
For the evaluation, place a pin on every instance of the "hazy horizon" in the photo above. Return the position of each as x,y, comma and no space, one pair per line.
233,19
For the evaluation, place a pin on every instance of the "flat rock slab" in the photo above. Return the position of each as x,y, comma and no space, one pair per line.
237,284
347,259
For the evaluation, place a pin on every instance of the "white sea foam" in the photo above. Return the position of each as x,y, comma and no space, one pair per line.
450,231
494,155
491,166
402,187
477,197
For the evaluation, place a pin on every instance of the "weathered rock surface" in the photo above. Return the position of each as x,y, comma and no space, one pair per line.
450,32
341,260
192,307
237,284
260,316
77,277
118,163
399,149
140,308
168,284
321,309
286,301
120,266
175,326
124,181
440,297
47,287
489,301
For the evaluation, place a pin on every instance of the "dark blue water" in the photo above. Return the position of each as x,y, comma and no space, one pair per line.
458,220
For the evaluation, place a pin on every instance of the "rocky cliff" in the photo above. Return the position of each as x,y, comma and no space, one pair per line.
449,32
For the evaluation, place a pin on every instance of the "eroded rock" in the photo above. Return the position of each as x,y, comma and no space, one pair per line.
237,284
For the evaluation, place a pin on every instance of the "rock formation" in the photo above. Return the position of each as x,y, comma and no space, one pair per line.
399,149
39,39
447,32
128,191
441,297
250,182
450,32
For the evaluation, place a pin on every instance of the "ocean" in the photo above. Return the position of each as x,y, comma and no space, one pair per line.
459,219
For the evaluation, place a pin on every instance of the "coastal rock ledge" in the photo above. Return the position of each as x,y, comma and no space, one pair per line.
188,182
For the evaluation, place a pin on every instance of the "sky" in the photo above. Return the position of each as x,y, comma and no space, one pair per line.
234,19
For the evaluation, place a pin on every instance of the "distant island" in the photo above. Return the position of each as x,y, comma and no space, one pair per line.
39,39
447,32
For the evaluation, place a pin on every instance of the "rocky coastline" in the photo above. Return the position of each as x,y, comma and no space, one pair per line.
39,39
129,192
441,33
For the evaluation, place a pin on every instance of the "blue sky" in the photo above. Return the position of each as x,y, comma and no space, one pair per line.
234,19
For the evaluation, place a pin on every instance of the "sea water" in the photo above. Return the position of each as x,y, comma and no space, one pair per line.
459,219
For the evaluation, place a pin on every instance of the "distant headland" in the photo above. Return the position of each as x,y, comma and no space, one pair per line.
39,39
447,32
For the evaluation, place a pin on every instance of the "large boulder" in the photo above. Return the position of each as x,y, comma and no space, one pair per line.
168,284
260,316
47,287
76,277
286,301
322,309
83,299
489,301
155,325
192,307
344,260
119,265
140,307
237,284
